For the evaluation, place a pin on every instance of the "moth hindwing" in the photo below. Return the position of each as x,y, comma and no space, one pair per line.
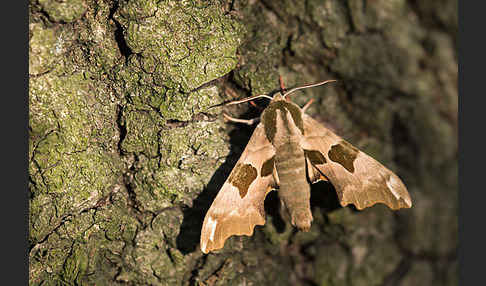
289,149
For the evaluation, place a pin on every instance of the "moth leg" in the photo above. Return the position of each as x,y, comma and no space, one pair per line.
256,106
306,106
313,174
231,92
245,121
282,86
275,177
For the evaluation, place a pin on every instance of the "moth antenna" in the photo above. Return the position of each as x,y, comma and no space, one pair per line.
241,100
248,99
308,86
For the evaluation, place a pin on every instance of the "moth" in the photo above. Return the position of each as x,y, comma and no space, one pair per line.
287,152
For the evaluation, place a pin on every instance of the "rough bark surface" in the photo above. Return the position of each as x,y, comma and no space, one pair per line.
126,156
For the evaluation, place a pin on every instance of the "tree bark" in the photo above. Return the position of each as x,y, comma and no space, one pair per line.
126,154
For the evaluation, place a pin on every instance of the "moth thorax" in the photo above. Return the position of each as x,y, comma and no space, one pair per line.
286,128
283,122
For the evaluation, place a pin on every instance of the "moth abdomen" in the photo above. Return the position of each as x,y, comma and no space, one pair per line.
294,190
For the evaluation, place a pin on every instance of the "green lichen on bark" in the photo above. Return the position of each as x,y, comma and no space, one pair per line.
179,168
101,116
183,44
73,139
63,11
42,49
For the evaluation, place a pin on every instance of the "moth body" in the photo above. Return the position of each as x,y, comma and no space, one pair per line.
294,189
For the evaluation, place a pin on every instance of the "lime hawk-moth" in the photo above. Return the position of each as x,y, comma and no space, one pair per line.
287,151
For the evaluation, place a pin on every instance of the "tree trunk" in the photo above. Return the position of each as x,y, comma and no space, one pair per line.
126,154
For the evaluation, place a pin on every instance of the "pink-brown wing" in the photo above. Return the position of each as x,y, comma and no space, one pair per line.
357,178
238,207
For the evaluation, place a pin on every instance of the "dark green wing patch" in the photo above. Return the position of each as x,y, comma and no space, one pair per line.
269,117
267,167
344,154
242,176
315,157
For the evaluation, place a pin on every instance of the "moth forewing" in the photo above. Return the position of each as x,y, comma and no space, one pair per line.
238,206
358,178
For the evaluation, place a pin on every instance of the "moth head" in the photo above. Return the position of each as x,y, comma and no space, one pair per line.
278,97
